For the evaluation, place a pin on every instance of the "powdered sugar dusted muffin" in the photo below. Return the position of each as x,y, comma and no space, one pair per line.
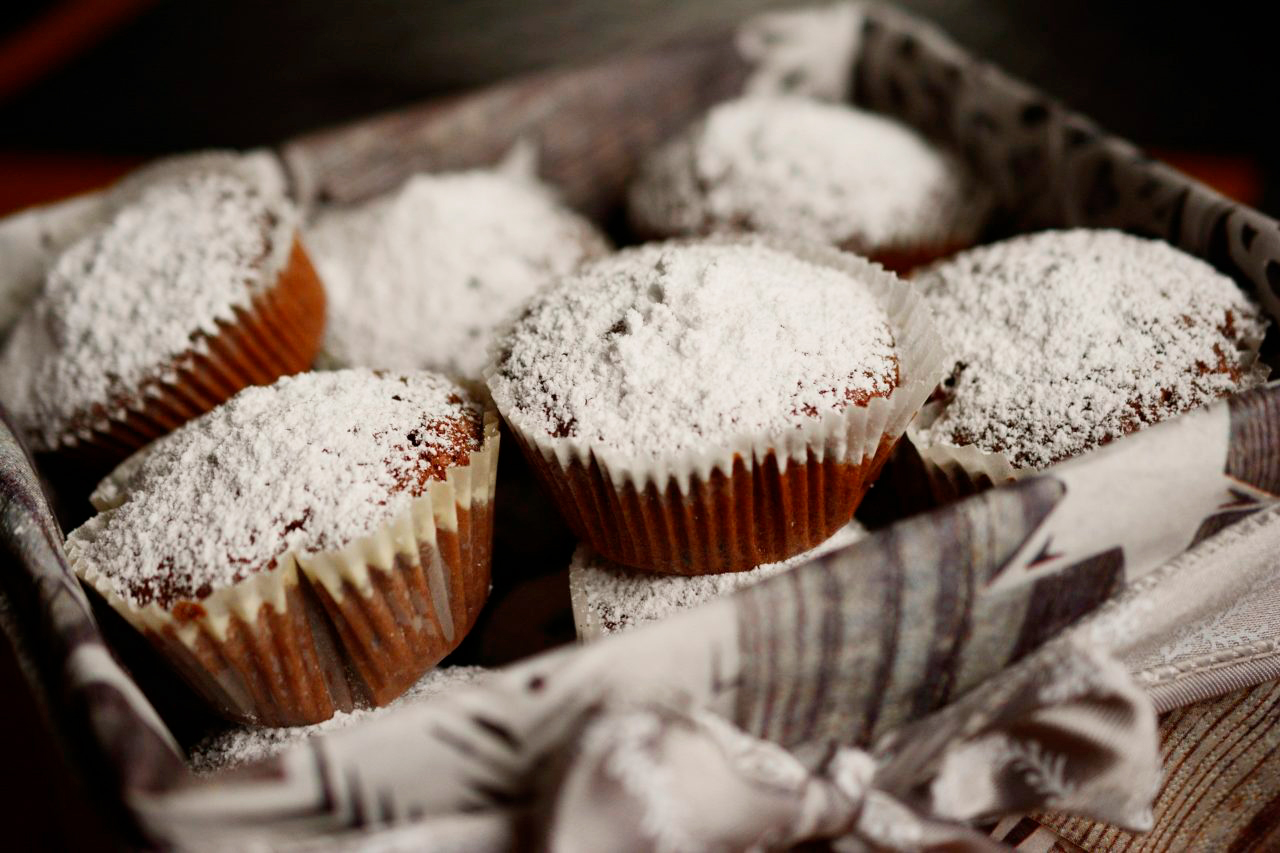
709,407
608,598
1066,340
193,289
797,168
245,745
419,278
33,239
307,547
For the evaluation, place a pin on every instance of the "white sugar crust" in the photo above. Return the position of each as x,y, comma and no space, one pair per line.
802,169
33,239
303,466
419,278
673,347
119,307
609,598
1068,339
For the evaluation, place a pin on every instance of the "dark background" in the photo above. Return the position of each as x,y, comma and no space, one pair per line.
119,80
90,88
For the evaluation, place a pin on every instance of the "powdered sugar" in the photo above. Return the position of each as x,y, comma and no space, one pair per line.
125,301
243,745
419,278
1068,339
32,240
608,598
305,465
798,168
680,346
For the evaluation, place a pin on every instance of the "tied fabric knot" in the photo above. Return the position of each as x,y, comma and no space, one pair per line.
1067,730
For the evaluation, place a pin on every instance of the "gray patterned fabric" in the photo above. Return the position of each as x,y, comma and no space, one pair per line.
1050,166
1067,729
55,635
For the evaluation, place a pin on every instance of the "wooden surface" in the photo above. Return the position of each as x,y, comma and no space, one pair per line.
1222,785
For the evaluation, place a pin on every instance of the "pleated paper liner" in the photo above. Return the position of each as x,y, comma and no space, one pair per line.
335,630
757,514
758,499
277,335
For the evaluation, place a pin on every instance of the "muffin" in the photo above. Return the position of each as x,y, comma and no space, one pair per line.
1067,340
194,288
801,169
307,547
609,599
418,279
32,240
713,406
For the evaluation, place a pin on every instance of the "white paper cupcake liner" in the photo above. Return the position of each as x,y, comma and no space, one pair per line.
948,472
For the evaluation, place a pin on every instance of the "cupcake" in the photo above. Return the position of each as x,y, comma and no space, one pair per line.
308,547
710,407
32,240
806,170
1067,340
609,599
418,279
193,288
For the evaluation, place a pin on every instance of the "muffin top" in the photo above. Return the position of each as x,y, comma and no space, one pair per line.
609,598
124,303
419,278
675,347
305,465
798,168
30,241
1065,340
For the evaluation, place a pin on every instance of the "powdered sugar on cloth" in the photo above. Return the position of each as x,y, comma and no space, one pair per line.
608,598
244,744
